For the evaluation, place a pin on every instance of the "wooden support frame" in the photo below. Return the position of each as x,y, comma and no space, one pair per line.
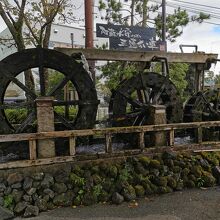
113,55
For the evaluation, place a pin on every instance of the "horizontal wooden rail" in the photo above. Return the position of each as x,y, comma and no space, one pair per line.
104,131
108,133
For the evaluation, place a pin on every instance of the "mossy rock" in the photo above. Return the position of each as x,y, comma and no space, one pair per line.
129,193
169,163
189,184
77,201
139,190
113,171
77,170
192,177
104,196
107,184
164,189
160,181
103,166
96,179
155,164
145,182
148,189
145,160
179,186
209,179
89,199
95,169
154,188
169,155
76,180
171,182
185,172
139,168
197,171
176,169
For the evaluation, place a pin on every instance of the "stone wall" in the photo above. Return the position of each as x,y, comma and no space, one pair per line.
32,190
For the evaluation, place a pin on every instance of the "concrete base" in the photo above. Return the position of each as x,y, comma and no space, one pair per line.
45,121
158,116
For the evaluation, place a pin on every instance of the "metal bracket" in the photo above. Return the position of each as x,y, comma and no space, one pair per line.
188,45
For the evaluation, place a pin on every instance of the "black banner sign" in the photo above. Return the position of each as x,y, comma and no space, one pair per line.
129,38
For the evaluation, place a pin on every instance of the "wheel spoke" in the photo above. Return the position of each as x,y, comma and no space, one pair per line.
157,94
134,103
26,122
16,105
22,86
63,120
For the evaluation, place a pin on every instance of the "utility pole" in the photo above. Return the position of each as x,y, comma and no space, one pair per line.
164,22
164,33
89,5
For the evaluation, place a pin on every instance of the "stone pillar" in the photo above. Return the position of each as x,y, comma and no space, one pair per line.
45,121
158,116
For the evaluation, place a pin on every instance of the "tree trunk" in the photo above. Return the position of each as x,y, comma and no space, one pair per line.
132,12
144,22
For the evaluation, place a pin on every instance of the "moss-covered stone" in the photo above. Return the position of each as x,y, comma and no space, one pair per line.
139,190
96,179
209,179
189,183
161,181
89,199
192,177
197,171
145,160
77,170
113,171
185,172
154,164
129,193
95,169
171,182
176,169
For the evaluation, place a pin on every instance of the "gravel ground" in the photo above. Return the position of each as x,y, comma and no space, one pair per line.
196,204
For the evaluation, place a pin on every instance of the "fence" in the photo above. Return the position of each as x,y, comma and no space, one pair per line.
32,138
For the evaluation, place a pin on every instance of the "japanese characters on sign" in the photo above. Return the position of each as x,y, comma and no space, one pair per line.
129,38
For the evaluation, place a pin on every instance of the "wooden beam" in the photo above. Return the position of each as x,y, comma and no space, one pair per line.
104,131
72,146
33,149
113,55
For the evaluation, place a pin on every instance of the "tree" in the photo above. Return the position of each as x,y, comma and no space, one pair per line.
140,12
29,22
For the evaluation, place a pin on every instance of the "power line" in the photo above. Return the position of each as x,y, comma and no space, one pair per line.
191,3
190,9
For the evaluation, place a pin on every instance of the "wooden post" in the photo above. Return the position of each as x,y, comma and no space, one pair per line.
45,122
108,143
171,140
158,116
199,135
141,140
72,145
33,149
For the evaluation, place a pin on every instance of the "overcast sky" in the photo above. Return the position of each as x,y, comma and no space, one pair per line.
205,35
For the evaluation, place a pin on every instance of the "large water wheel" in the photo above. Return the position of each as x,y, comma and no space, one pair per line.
73,71
130,102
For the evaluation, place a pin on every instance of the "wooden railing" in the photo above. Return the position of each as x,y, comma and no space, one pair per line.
109,133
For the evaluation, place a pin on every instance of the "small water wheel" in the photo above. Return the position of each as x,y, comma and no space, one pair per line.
130,102
73,71
203,106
